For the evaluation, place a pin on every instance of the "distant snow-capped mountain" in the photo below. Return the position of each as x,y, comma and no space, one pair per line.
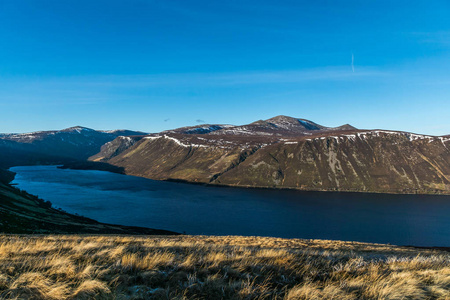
55,145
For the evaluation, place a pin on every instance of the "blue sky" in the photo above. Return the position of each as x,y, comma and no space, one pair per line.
152,65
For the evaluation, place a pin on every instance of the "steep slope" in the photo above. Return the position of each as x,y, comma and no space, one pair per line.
116,147
43,147
21,212
184,158
370,161
295,155
6,176
14,154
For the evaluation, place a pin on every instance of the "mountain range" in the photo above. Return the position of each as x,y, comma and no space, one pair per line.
55,146
286,152
21,212
280,152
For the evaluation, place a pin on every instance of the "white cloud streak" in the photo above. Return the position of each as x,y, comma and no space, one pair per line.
353,63
210,79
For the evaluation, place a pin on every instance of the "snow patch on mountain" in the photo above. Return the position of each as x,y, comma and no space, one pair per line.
379,133
177,141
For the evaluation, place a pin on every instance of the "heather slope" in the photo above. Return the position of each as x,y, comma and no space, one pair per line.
167,158
373,161
292,153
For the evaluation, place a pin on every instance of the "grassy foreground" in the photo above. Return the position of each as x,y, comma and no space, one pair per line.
203,267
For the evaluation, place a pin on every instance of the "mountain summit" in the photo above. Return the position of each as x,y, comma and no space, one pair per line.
279,126
276,126
290,123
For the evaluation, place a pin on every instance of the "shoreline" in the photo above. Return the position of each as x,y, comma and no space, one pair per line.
99,166
418,246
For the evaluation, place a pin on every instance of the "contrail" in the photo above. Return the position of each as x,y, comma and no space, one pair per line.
353,63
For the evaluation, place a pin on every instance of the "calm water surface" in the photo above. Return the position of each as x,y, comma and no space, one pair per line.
420,220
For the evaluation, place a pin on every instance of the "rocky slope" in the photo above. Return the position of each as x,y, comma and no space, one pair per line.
54,147
22,213
285,152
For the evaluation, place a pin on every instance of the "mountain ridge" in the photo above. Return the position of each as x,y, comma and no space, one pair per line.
280,152
301,155
55,146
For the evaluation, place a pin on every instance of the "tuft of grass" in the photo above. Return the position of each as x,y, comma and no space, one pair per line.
206,267
92,289
148,262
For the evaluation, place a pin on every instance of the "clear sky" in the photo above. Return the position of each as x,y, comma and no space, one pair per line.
158,64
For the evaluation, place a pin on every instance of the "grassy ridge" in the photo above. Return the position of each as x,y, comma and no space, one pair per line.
202,267
23,213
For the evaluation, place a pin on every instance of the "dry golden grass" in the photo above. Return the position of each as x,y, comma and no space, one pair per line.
203,267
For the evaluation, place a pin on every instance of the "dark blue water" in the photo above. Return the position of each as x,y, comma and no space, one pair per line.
420,220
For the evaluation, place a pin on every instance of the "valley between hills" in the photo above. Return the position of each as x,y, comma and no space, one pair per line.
103,261
281,152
